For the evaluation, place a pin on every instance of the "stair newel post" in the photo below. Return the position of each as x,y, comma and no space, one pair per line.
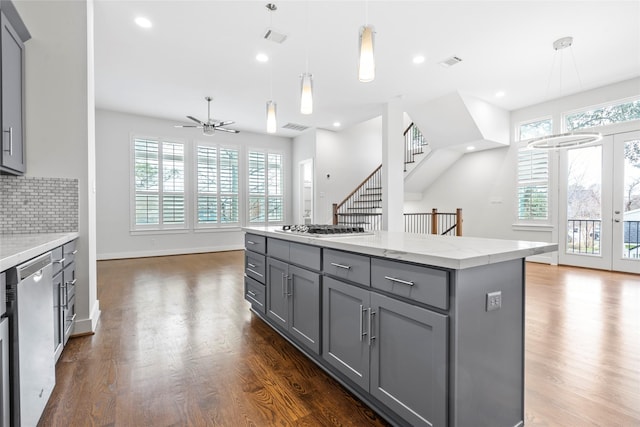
459,222
335,214
434,221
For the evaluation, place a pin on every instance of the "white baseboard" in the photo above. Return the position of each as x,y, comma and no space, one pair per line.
547,258
165,252
88,326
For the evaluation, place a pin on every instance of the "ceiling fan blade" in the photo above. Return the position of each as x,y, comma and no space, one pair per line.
195,120
227,130
228,122
187,126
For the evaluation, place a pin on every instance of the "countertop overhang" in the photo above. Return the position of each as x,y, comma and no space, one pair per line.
440,251
18,248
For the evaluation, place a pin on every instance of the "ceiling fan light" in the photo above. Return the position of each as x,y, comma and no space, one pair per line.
366,63
271,117
208,130
306,94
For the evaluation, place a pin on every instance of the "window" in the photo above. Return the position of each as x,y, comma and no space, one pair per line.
533,174
609,114
159,184
217,201
266,192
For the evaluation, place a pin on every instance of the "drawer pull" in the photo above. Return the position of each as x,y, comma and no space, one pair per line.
74,252
362,311
72,283
404,282
251,265
371,336
250,242
251,293
255,272
346,267
58,261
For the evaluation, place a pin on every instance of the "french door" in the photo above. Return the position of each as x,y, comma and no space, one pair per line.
600,204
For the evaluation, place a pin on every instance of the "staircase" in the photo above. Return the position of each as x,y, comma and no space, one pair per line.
363,207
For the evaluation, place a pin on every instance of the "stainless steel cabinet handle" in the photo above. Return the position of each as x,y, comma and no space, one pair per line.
10,132
58,261
360,313
65,293
289,286
249,242
404,282
284,286
371,336
74,252
72,283
346,267
251,293
255,272
251,265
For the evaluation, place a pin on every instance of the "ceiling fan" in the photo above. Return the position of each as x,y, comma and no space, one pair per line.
210,126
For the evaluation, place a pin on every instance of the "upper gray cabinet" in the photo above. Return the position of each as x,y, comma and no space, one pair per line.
12,36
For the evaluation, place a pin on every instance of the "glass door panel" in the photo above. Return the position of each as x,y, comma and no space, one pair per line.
626,203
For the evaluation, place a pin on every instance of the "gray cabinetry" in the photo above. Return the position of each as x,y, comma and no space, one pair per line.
293,301
12,151
255,270
64,294
4,354
395,351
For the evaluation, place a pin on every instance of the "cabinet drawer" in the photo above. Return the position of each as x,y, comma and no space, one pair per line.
254,293
255,243
422,284
254,265
69,252
305,256
278,249
3,293
57,260
345,265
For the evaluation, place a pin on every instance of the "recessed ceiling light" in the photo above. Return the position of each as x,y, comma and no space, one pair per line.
418,59
143,22
471,148
337,124
499,94
261,57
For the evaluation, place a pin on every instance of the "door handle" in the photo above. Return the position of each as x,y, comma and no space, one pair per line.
361,313
371,336
289,286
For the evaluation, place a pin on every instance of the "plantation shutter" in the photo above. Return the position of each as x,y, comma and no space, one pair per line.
533,184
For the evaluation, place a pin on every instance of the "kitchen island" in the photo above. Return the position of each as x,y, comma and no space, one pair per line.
427,330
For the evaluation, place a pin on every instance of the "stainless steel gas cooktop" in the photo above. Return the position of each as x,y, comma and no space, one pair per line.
324,230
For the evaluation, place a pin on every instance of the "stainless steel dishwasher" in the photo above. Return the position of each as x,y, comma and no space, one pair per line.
32,366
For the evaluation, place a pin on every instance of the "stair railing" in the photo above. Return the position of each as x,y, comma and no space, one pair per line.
363,207
434,222
414,143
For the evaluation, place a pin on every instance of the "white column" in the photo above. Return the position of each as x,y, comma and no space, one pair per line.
392,167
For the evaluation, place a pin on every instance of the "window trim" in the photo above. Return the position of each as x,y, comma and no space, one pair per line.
197,226
156,228
247,195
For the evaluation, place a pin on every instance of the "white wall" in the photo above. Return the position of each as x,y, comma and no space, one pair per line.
59,110
483,184
343,160
113,142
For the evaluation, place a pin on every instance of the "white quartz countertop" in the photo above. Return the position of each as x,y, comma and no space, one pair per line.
439,251
18,248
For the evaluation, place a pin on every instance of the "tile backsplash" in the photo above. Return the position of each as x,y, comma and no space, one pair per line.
38,205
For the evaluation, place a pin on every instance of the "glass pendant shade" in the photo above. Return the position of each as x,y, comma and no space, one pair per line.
306,94
271,117
366,64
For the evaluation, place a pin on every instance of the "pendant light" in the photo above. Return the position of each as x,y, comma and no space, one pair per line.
568,139
306,79
272,125
366,62
271,117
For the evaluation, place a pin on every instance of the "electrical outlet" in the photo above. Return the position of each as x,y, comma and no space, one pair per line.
494,301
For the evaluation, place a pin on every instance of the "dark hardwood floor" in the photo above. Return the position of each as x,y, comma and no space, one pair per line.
177,346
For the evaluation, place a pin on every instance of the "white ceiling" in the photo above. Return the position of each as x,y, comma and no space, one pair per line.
200,48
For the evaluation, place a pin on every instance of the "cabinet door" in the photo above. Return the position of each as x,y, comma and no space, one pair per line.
58,320
409,361
304,307
12,51
4,372
344,330
277,307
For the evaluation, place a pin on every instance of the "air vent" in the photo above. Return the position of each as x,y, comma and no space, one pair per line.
294,126
451,61
274,36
